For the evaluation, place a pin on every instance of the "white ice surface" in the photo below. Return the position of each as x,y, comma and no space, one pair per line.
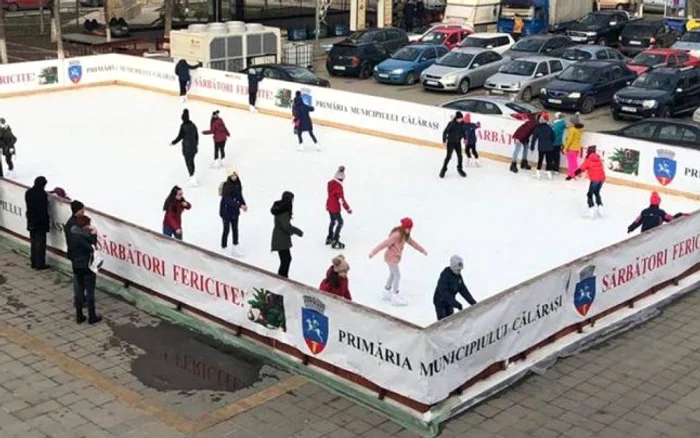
110,148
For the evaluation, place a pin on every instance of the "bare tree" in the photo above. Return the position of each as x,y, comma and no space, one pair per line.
56,22
42,28
168,8
108,30
3,45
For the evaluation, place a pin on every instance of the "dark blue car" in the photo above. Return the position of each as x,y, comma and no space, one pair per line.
406,65
586,84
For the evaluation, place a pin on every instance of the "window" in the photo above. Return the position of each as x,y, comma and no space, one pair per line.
682,58
694,78
463,35
392,35
671,60
617,72
601,54
542,69
480,59
491,57
640,130
271,73
621,18
452,39
501,41
671,133
604,76
488,108
442,50
463,105
692,137
428,54
555,66
614,54
378,37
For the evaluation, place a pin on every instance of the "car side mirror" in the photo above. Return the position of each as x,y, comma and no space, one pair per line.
629,82
489,46
474,66
613,23
679,90
539,75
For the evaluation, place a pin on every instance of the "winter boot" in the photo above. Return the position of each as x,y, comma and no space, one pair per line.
192,182
397,300
599,211
253,109
337,244
329,240
569,178
591,213
317,146
469,162
300,148
538,174
442,173
461,173
476,162
387,294
236,251
514,167
550,175
214,164
524,165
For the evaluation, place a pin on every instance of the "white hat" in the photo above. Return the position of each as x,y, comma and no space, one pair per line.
456,262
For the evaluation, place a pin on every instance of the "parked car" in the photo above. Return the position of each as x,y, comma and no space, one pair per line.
361,51
92,3
547,45
493,106
656,58
689,42
601,28
524,78
620,5
406,65
498,42
646,34
672,132
586,84
662,93
289,73
462,69
417,35
654,6
16,5
446,36
591,53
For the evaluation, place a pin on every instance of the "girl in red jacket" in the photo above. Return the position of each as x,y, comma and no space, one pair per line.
336,197
596,174
336,281
218,130
173,207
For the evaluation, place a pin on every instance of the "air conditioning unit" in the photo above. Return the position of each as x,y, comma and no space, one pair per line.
230,46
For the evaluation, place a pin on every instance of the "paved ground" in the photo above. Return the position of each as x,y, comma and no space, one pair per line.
136,376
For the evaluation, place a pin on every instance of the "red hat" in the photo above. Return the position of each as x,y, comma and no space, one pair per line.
407,223
655,199
545,115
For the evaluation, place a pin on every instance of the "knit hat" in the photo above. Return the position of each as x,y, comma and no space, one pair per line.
231,171
544,115
407,223
340,173
591,149
76,206
3,122
655,199
576,119
185,115
340,265
459,115
456,262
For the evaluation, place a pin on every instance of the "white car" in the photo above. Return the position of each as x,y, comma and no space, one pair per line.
420,33
696,115
498,42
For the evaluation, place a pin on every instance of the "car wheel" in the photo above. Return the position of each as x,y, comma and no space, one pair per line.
410,79
365,70
464,86
664,113
602,41
527,94
13,7
588,105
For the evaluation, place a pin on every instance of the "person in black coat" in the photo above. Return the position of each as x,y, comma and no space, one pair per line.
230,206
82,239
190,140
7,147
452,138
38,223
254,78
543,136
301,113
78,209
653,216
449,285
182,71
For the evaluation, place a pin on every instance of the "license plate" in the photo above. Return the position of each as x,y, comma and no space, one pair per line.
431,82
554,100
636,43
629,109
579,38
497,91
338,67
383,75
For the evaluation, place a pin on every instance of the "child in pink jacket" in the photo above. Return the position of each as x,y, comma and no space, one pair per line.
394,245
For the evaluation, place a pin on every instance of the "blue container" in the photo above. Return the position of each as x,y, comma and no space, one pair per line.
322,32
340,29
296,34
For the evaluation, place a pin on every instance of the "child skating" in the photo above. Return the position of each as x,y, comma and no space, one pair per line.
336,199
593,165
470,140
302,121
394,246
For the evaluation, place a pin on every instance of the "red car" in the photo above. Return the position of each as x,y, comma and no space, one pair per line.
16,5
447,36
655,58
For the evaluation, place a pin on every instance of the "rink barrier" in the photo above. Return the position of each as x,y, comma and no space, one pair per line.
536,312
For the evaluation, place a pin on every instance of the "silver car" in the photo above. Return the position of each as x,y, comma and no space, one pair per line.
462,69
493,106
523,78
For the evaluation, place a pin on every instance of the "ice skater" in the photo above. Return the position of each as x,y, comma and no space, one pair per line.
543,136
573,147
394,246
173,207
336,281
217,128
7,144
449,285
521,138
452,139
230,206
190,140
182,71
254,78
559,128
470,140
652,216
593,165
302,120
283,231
336,199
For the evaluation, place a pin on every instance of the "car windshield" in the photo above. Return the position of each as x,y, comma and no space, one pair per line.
360,37
655,81
298,73
576,55
580,73
649,59
632,31
691,37
456,59
476,42
433,38
595,19
424,29
531,45
520,67
522,107
408,53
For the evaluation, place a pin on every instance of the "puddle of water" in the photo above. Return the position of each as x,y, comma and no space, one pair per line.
177,359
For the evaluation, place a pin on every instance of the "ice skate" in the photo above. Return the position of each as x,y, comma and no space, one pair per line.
514,167
476,162
300,148
591,213
599,211
329,240
214,164
183,99
442,173
461,173
253,109
236,251
318,147
11,174
192,182
524,165
387,294
397,300
469,162
538,174
337,244
550,175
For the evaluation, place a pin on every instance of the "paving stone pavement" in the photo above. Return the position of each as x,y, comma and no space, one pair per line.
60,380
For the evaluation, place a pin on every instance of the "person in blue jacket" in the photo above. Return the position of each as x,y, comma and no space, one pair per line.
470,140
559,128
182,71
449,285
302,120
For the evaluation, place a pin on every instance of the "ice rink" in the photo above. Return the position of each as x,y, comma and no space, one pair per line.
110,148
